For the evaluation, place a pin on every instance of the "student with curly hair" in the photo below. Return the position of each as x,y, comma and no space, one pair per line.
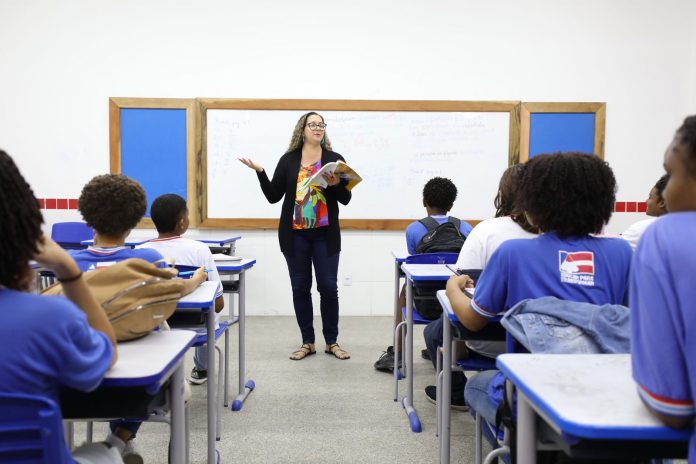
569,197
439,194
113,204
656,208
308,231
49,342
662,295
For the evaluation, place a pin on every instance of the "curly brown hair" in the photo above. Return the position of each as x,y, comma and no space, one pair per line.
507,200
297,139
20,225
112,204
571,194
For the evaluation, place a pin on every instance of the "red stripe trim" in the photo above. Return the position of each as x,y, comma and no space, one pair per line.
164,239
664,399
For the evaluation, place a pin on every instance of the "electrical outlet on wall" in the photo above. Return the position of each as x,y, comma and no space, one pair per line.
347,280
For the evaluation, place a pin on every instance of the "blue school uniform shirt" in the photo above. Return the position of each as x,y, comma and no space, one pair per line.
663,322
415,231
586,269
47,344
95,257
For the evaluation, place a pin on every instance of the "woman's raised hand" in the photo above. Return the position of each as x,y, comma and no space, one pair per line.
250,164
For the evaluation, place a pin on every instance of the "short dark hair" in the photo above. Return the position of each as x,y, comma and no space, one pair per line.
440,192
166,211
661,184
687,137
571,194
112,204
20,225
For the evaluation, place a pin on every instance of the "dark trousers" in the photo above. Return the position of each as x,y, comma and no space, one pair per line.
433,339
310,249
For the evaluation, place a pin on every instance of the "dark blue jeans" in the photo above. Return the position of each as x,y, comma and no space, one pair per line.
433,339
310,249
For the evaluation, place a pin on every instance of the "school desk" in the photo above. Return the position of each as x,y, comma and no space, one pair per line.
238,268
148,364
419,273
585,405
399,258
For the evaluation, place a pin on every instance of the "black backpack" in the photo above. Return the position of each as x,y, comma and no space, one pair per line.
444,237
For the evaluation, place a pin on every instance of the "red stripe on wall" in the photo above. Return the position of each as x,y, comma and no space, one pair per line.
620,207
57,203
642,206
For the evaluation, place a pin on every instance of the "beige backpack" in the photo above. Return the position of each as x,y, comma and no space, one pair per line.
136,295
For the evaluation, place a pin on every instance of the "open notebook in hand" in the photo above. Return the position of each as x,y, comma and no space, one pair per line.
339,169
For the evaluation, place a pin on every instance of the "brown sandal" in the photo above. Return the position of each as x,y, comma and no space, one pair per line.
305,350
337,351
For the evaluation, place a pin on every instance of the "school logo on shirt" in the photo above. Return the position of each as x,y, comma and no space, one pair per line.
576,267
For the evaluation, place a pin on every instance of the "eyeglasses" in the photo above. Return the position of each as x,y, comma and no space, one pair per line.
316,126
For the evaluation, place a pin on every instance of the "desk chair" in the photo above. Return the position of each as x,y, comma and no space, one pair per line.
69,234
418,319
31,429
193,320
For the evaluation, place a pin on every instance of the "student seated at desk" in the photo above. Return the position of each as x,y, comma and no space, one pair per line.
171,217
439,194
48,342
112,205
509,223
568,196
656,208
663,295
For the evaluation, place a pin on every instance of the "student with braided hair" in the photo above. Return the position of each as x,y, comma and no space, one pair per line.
49,342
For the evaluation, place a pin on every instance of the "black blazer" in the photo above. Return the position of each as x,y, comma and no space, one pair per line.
284,183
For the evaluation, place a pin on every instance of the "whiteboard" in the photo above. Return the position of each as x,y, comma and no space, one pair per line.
395,152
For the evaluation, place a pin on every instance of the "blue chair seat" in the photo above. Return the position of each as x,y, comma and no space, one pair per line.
417,318
476,363
69,234
201,339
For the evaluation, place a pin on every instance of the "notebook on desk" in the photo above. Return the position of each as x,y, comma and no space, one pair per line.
221,257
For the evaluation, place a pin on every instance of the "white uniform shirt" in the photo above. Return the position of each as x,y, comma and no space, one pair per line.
634,232
485,238
478,248
186,252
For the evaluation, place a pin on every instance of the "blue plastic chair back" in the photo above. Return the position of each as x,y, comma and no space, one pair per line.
189,270
70,234
31,430
433,258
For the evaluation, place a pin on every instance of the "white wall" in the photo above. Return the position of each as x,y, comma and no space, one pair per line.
60,61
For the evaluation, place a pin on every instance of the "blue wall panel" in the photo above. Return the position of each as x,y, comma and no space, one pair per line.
552,132
153,150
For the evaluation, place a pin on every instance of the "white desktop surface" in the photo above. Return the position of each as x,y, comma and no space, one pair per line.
202,297
589,396
427,271
234,266
148,359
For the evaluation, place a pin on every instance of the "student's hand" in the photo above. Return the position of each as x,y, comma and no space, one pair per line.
200,275
53,257
461,281
250,164
331,178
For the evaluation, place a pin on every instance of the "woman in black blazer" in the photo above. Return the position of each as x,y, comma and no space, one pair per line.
309,232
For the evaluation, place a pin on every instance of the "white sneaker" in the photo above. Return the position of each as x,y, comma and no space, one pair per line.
131,454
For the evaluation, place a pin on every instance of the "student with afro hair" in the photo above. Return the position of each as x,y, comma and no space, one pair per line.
570,198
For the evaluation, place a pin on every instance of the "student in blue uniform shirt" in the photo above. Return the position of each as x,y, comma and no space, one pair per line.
439,194
663,295
568,196
48,342
113,204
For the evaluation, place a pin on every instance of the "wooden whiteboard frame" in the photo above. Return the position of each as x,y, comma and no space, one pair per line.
511,107
527,108
193,146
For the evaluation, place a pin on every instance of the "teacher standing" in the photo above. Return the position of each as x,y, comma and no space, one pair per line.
309,232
